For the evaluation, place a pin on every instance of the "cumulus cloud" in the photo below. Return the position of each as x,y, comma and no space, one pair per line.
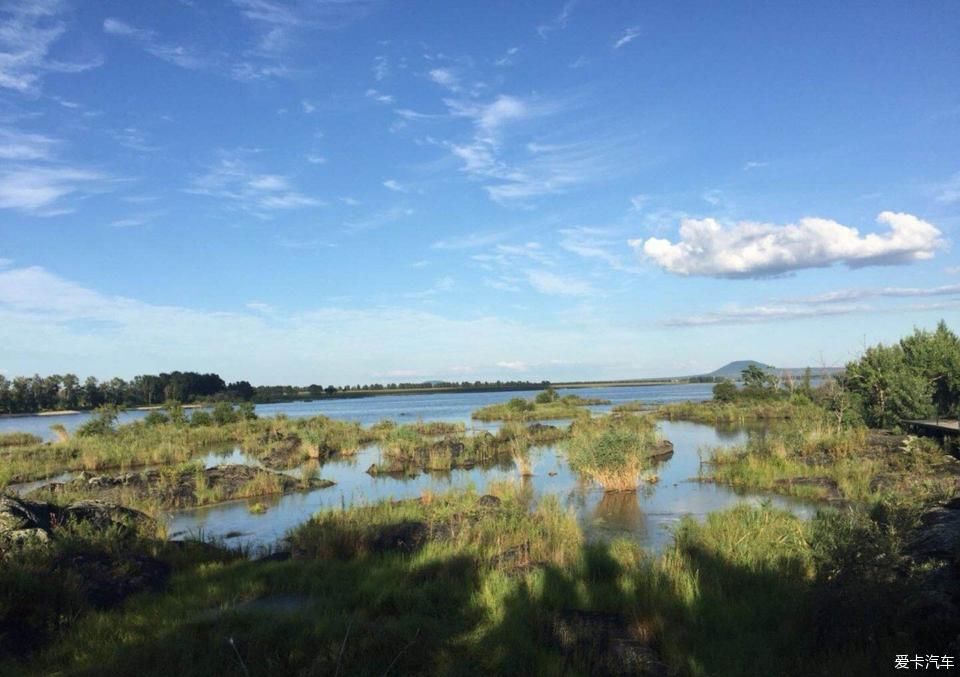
747,249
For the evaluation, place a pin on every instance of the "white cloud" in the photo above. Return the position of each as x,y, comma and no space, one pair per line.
638,201
51,323
469,241
178,55
629,35
755,314
512,365
748,249
445,77
395,186
16,145
28,30
307,107
847,295
231,179
39,190
559,22
507,58
593,243
537,168
949,190
754,164
315,159
510,256
381,68
546,282
378,96
737,315
490,117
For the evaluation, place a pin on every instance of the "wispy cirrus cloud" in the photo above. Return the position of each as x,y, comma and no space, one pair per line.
41,190
183,56
17,145
232,180
28,32
47,319
558,22
514,173
761,313
468,241
747,249
547,282
629,35
595,243
445,77
847,295
948,191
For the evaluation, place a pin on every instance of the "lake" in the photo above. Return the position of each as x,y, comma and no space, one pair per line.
646,516
401,408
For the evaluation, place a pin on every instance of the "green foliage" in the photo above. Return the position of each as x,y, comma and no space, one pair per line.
246,411
916,378
200,418
890,388
155,418
725,391
101,423
612,451
223,413
547,396
175,412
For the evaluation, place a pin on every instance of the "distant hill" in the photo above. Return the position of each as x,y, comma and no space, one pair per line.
734,369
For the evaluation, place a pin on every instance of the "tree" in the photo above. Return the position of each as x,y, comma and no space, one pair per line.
936,356
91,396
725,391
69,392
890,390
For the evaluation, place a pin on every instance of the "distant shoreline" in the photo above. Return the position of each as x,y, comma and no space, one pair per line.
352,394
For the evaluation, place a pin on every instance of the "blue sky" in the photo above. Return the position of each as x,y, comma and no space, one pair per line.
353,191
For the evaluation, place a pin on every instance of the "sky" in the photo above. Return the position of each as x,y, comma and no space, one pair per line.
357,191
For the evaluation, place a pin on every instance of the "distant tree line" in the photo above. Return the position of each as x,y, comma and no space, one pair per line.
24,394
916,378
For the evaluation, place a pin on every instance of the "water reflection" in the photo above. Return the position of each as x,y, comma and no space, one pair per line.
646,516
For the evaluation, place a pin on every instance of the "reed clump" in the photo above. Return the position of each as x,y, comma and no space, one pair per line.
612,451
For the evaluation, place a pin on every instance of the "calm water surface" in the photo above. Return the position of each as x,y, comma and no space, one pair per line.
645,516
368,410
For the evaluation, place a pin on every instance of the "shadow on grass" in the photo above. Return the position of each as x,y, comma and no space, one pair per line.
752,606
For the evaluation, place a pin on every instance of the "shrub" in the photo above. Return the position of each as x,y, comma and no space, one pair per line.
223,413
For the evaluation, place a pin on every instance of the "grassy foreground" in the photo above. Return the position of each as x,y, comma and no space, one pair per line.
468,585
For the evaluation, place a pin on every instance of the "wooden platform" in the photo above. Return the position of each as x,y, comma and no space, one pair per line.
933,427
